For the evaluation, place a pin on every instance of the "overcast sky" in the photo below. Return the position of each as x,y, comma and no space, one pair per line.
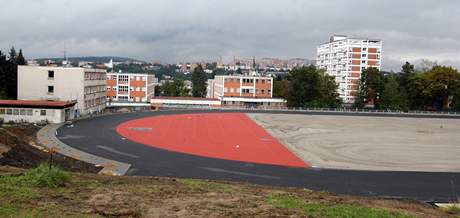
194,30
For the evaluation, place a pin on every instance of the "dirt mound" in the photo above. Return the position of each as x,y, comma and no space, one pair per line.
16,149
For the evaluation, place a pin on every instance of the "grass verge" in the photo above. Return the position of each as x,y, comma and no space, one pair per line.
19,190
203,185
453,210
316,209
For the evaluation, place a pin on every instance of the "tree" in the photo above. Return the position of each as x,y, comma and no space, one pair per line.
309,87
417,97
407,72
20,60
198,82
408,68
371,86
176,88
3,73
10,75
391,96
280,88
444,85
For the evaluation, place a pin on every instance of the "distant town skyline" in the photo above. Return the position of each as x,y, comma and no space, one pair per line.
185,31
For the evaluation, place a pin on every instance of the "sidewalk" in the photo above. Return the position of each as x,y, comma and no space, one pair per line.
47,138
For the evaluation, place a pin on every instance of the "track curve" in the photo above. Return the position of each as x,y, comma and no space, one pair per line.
98,136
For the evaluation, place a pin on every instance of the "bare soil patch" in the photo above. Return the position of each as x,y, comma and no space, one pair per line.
16,149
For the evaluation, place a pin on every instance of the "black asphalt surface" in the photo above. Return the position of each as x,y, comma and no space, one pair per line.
98,136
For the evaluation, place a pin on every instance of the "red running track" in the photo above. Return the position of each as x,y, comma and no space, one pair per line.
230,136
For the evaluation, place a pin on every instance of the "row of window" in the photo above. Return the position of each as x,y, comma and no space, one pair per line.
263,81
237,90
130,98
125,88
94,76
95,102
124,78
20,111
94,89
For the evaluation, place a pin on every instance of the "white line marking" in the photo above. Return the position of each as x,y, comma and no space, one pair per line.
116,151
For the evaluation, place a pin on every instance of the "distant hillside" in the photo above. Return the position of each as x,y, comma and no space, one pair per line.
95,59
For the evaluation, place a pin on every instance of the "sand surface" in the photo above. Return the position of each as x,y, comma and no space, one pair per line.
368,143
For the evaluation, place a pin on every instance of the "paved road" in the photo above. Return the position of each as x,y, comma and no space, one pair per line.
98,136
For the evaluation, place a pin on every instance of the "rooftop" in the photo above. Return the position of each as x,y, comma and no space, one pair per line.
36,103
186,98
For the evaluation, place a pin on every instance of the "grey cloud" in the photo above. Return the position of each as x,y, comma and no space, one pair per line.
180,30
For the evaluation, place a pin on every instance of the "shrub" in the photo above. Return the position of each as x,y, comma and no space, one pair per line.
43,176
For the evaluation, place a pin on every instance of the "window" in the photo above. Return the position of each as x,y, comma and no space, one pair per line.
364,55
263,91
364,49
42,112
51,74
22,112
123,78
9,111
123,88
231,89
50,89
15,111
2,110
29,112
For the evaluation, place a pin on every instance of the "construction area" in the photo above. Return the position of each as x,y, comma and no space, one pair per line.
368,143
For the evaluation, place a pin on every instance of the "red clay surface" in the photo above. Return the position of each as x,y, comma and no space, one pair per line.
230,136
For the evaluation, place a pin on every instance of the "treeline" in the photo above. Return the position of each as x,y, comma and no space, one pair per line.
431,88
8,73
434,88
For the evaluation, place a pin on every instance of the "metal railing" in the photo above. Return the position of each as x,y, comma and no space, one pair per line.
312,109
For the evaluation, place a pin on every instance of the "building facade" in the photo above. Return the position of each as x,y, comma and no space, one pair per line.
242,90
345,58
36,111
85,86
158,102
130,87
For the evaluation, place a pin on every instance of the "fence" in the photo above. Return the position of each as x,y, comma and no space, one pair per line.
318,110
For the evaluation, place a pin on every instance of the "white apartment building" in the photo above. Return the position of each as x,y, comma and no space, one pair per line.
85,86
130,88
345,57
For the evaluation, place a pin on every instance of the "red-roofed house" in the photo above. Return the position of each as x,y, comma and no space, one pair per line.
34,111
